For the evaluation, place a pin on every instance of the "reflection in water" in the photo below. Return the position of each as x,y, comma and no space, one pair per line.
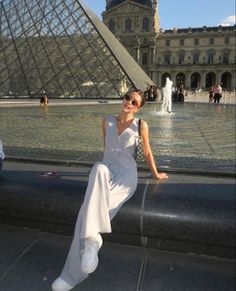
44,110
197,131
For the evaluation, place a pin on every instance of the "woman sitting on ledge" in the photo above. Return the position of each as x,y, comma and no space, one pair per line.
111,183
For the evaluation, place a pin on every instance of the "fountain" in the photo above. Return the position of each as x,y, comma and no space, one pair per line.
167,97
200,132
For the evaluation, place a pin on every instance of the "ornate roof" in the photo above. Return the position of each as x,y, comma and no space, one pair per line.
112,3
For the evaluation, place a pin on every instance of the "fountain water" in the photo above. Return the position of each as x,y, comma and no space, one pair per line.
167,97
193,135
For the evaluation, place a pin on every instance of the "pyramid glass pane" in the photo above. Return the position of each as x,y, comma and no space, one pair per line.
59,47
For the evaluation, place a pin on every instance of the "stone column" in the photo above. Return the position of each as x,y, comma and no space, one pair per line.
137,53
218,77
188,79
203,79
152,50
137,44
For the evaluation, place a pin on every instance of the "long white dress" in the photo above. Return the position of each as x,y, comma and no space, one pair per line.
111,183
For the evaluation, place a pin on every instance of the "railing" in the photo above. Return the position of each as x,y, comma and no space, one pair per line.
228,97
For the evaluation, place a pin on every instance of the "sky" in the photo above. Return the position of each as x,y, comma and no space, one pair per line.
186,13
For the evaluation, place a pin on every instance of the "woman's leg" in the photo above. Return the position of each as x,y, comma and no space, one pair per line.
93,218
96,203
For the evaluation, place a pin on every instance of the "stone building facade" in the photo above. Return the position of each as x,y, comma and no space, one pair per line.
192,57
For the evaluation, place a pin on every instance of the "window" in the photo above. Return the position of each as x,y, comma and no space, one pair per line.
210,58
145,59
128,25
196,56
167,58
181,42
145,24
112,25
167,42
181,58
196,41
211,40
227,40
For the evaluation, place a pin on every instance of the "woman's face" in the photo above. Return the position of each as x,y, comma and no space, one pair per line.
132,102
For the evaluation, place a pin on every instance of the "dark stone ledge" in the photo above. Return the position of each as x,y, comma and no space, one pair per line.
191,214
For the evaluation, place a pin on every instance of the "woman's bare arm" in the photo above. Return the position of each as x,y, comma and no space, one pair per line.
148,153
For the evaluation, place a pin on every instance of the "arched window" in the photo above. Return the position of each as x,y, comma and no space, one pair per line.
180,80
128,25
145,24
112,25
195,80
210,79
226,80
163,79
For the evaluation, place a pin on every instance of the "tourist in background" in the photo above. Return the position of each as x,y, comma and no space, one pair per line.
44,100
211,94
217,91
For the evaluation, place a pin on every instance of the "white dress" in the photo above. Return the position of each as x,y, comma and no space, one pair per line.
111,183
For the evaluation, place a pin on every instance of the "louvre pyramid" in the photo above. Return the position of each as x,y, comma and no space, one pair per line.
61,48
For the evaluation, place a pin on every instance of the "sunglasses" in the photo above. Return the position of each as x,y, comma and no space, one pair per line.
134,103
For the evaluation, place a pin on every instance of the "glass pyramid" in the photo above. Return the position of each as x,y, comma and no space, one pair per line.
61,48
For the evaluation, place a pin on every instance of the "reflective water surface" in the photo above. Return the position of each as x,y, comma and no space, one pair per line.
194,135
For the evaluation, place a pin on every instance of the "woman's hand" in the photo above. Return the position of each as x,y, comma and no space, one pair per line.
162,176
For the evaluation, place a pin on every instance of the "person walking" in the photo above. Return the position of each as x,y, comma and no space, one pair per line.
111,183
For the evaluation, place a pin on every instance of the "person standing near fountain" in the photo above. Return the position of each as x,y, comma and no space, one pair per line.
111,183
217,91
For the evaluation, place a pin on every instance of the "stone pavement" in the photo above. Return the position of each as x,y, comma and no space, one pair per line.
30,260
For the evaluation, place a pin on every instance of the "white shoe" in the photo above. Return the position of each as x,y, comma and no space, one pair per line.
60,285
89,261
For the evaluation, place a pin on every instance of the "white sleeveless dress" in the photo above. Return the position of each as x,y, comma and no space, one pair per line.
111,183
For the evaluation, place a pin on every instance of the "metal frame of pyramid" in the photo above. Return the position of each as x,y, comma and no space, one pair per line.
62,49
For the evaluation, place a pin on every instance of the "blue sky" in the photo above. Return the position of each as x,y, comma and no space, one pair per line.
185,13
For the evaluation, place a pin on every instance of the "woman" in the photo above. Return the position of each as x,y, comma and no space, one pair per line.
111,183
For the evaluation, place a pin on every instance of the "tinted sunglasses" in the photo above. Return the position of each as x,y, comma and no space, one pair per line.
134,103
